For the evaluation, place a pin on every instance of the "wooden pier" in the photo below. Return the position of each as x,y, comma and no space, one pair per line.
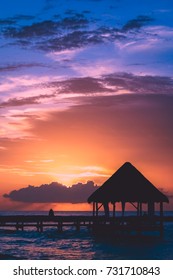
99,224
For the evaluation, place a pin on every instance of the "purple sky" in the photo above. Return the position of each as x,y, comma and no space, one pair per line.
103,68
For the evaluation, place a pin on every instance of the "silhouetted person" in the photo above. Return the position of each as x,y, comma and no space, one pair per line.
51,213
123,208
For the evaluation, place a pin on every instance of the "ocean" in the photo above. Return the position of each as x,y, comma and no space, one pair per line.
83,245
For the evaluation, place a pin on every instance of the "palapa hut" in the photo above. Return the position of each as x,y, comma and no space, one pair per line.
127,184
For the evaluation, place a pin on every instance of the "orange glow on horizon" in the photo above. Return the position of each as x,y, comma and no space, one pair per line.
89,143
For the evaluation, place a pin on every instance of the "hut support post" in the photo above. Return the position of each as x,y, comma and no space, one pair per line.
161,219
114,209
123,208
161,209
96,208
137,209
93,208
140,209
161,214
106,208
151,209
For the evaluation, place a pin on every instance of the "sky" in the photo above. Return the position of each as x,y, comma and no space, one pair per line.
84,87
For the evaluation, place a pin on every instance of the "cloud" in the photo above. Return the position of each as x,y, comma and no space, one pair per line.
110,84
23,17
76,21
136,23
76,30
7,21
161,31
13,102
23,85
75,39
81,38
85,85
141,84
73,31
46,27
25,90
14,20
18,66
3,148
115,83
46,160
54,192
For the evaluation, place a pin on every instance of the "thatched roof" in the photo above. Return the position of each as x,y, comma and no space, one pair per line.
127,184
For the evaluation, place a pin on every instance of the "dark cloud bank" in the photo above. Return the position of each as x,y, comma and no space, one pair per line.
142,85
126,81
68,32
54,192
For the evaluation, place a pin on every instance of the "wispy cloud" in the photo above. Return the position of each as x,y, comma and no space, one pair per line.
61,95
46,160
15,67
13,102
3,148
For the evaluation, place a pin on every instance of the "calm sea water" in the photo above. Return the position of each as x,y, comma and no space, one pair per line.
82,245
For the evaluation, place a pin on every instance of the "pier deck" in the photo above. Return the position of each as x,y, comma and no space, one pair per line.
96,224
